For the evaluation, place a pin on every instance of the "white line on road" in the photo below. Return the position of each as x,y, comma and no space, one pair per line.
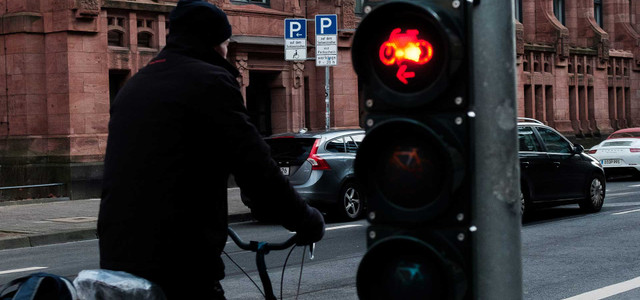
343,227
21,270
626,212
635,185
609,291
328,229
620,194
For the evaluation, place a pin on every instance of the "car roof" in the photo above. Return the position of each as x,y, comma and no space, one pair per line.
529,122
634,129
331,133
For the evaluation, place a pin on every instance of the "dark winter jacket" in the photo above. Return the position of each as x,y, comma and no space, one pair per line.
178,128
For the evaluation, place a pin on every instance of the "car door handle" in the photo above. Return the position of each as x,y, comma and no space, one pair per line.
525,164
557,164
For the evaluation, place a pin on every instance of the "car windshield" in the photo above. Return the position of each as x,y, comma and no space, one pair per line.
630,134
295,150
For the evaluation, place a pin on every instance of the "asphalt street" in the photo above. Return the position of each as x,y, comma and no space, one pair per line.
566,255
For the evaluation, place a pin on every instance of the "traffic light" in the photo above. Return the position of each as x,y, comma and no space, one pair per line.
415,163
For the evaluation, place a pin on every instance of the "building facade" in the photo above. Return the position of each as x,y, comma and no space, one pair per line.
578,65
62,61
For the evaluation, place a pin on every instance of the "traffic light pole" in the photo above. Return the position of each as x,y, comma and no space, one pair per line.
496,243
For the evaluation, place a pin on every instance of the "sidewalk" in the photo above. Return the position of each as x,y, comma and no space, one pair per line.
28,223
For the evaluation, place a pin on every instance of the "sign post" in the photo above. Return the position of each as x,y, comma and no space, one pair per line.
295,39
327,52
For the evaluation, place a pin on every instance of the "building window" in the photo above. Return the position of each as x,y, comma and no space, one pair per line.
558,10
115,38
359,10
597,11
518,10
116,34
144,39
258,2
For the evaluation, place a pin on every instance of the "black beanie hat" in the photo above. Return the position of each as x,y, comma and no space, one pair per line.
200,19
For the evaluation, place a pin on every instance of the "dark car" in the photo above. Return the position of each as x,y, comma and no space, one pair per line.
319,166
554,171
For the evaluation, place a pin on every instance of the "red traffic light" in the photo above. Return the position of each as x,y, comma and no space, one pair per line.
404,48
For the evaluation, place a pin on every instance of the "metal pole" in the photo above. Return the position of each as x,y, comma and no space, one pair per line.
327,87
496,243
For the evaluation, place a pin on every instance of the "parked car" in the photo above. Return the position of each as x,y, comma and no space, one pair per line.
319,165
619,154
625,133
553,171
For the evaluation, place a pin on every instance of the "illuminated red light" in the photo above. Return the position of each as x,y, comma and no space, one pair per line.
401,48
405,46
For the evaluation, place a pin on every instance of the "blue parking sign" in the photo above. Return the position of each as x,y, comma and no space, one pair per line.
295,28
326,24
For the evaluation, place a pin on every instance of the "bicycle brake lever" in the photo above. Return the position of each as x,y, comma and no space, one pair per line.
312,249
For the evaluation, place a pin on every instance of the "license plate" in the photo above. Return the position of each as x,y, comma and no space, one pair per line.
284,170
610,161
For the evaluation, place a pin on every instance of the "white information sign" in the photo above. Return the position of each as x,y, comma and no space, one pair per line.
326,40
295,39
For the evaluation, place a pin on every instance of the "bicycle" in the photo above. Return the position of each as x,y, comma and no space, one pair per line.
261,249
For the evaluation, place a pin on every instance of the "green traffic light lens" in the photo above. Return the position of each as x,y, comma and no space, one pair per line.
404,268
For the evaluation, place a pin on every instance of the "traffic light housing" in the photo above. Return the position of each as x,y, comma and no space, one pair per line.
415,163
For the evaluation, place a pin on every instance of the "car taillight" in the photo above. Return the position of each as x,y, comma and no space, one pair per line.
592,151
634,150
317,163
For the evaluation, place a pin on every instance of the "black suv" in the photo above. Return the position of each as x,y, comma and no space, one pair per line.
553,171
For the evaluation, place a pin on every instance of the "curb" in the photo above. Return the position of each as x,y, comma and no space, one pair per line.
47,239
76,235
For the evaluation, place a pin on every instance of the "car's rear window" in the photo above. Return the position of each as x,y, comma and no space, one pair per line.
632,134
295,150
617,144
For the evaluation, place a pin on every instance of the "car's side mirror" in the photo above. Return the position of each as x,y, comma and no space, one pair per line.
577,149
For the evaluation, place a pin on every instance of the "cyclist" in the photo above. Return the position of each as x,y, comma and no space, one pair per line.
178,128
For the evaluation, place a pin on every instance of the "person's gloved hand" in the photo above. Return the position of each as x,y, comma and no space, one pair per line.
311,228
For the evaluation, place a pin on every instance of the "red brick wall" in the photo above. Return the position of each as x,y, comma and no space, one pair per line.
588,99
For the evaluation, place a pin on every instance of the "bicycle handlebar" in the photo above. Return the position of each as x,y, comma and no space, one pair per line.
253,245
261,249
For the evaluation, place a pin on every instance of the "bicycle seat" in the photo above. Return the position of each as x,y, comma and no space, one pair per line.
106,284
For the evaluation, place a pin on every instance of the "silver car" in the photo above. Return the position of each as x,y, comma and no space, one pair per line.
319,165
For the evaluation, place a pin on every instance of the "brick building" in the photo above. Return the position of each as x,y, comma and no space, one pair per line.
579,65
61,61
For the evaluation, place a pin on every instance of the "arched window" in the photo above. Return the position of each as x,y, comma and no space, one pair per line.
597,12
558,10
518,10
115,38
144,39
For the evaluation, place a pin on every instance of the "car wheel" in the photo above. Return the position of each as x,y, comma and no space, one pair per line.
351,204
595,195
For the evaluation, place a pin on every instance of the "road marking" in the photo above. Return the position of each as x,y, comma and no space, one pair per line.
21,270
625,212
330,228
620,194
343,227
609,291
635,185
